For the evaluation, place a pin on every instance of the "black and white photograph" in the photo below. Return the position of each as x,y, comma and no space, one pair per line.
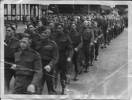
60,49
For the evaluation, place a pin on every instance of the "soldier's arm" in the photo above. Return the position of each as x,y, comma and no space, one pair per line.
55,56
70,47
92,36
37,69
100,33
96,35
80,44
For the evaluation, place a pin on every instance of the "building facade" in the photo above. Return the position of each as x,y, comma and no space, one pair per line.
19,11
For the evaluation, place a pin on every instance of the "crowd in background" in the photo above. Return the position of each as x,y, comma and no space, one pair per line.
54,45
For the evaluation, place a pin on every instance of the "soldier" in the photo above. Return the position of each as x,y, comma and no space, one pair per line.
33,35
17,35
65,54
109,31
92,47
40,27
52,27
49,55
116,29
97,36
28,68
88,38
10,47
44,19
34,21
52,37
104,30
30,29
77,45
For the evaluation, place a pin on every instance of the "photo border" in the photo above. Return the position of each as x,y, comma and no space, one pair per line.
45,2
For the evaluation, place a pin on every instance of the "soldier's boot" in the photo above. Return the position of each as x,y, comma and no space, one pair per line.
53,91
75,77
102,45
96,58
39,90
96,55
76,71
86,67
91,61
82,67
55,81
63,84
92,58
50,86
108,42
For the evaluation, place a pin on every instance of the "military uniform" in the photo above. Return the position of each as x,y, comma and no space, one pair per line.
88,38
34,36
28,70
12,45
49,55
77,44
65,50
98,35
92,47
40,29
104,30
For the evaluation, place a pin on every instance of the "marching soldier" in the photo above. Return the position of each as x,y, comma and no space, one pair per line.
52,28
104,30
52,37
17,35
28,69
65,54
97,34
88,38
77,45
92,47
49,55
33,34
40,27
10,46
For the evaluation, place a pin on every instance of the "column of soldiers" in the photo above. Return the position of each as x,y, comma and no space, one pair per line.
53,47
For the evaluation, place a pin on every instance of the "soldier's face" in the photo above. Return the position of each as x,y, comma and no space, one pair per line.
9,32
59,28
14,26
40,23
24,43
51,25
73,26
45,34
85,24
31,27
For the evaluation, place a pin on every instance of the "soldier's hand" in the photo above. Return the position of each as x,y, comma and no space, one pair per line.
31,88
69,59
95,41
5,44
13,66
76,49
47,68
91,43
